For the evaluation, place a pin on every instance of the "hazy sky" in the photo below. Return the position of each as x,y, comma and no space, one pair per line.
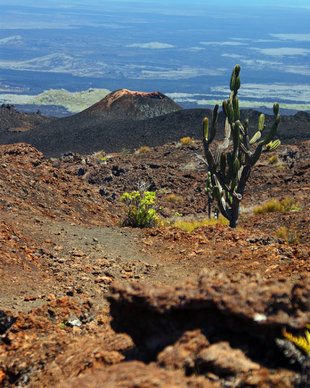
179,3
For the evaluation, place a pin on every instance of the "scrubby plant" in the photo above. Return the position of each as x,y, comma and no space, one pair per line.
288,235
273,159
100,157
125,151
269,207
274,205
289,205
230,167
141,209
143,150
187,140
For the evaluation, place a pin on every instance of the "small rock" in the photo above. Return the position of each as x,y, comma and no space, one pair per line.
6,321
30,298
224,360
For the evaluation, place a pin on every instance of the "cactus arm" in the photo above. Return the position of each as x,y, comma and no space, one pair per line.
256,137
276,109
272,131
261,123
273,145
206,129
214,123
236,107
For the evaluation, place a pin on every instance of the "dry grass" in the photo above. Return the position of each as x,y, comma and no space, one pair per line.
143,150
274,159
189,226
274,205
173,198
289,235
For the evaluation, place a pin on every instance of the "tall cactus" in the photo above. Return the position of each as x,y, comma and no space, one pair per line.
230,167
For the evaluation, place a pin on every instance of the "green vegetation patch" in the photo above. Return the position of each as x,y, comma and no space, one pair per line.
141,209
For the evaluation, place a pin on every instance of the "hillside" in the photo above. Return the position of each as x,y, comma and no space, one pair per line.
129,120
11,120
85,300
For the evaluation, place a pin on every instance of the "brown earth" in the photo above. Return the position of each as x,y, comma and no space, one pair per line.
87,302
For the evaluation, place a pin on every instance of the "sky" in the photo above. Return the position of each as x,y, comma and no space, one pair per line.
186,3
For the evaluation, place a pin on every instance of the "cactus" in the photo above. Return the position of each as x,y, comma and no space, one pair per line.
228,171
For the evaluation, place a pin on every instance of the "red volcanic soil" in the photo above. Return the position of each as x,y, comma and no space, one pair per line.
124,104
87,302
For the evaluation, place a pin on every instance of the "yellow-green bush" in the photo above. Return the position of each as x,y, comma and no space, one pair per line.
143,150
141,209
187,140
287,234
274,205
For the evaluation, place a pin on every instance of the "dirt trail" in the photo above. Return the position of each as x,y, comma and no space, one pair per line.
82,261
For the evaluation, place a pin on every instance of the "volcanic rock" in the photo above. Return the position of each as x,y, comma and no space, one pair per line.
135,374
157,316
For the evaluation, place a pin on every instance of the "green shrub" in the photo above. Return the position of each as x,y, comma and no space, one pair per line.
141,209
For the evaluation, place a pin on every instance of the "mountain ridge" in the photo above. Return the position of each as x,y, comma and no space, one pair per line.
125,119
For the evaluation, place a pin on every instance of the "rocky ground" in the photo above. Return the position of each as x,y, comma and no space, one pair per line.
87,302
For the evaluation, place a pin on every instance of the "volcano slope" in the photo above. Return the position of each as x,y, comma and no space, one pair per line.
126,119
86,302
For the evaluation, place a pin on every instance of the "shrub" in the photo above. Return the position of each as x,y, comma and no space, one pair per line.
143,150
141,209
125,151
100,157
187,140
285,205
269,207
289,205
287,234
274,159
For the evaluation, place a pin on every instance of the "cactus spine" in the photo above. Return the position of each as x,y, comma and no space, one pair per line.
228,173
